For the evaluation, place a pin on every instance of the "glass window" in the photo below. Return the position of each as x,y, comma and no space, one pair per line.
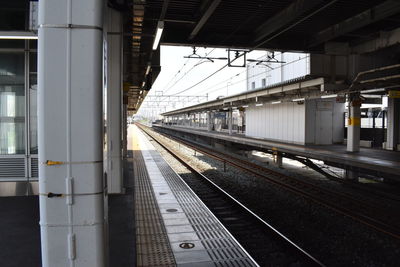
253,85
33,102
12,44
263,82
12,103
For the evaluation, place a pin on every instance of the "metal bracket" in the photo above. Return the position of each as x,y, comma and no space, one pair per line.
238,53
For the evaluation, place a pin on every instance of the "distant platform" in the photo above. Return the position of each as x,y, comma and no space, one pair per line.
367,159
173,226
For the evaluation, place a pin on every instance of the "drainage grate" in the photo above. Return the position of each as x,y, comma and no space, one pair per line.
152,245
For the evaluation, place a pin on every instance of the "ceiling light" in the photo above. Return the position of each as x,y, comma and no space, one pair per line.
143,84
148,69
160,28
245,106
259,104
328,96
276,102
298,99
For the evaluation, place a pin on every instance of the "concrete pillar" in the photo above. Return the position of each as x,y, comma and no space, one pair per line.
70,131
354,125
230,122
393,124
114,101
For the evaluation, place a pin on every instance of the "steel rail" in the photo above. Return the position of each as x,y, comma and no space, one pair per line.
300,187
306,257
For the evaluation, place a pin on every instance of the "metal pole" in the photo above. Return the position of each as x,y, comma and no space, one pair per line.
70,124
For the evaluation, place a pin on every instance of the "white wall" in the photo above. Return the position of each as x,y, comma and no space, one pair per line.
283,122
317,121
297,65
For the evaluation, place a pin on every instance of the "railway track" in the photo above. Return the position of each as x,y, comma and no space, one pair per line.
368,214
264,243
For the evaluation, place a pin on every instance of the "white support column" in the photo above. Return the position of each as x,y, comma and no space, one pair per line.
393,124
354,125
230,121
70,133
209,121
114,101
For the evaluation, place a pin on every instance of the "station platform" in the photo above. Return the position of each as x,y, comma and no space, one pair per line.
173,226
367,159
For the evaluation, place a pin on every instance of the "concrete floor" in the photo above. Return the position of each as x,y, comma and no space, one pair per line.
20,230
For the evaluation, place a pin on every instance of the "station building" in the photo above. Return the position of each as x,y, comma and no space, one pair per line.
72,71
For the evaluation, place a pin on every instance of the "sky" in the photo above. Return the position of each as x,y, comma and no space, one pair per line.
179,74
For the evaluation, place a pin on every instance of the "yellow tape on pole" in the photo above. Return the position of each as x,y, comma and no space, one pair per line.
394,94
354,121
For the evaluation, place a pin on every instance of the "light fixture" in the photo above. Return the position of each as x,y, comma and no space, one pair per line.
143,84
259,104
141,92
160,28
17,35
276,102
298,99
328,96
148,69
245,106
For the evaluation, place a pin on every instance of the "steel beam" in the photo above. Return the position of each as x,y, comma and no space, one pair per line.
377,13
206,15
284,18
384,40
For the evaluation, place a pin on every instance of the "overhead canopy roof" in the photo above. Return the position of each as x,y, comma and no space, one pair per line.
291,89
285,25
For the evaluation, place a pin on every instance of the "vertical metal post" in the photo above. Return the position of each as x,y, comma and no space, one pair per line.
27,113
70,133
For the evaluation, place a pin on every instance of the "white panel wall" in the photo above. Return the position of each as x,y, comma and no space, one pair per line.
324,121
318,121
338,122
283,122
